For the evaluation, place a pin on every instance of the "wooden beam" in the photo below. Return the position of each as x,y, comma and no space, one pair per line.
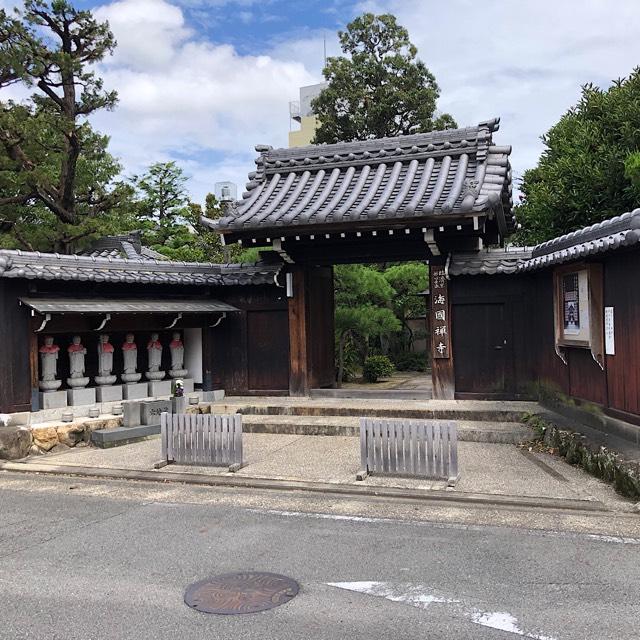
33,366
442,371
299,360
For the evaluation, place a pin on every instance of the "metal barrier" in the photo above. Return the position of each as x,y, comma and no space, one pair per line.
423,448
207,440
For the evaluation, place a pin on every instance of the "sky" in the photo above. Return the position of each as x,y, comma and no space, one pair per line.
202,82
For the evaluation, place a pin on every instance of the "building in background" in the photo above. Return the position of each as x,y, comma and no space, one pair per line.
225,191
300,111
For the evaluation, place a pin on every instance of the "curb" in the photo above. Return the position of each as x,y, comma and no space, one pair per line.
354,491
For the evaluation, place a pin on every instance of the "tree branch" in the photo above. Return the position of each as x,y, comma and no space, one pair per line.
19,237
23,199
42,85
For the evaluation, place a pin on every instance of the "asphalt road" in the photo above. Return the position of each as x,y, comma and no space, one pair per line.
85,559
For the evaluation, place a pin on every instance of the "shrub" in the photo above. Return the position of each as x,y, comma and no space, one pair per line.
352,361
409,361
376,367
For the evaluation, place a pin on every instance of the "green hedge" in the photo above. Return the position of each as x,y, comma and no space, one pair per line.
376,367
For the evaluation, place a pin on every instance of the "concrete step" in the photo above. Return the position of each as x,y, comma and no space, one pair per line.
382,394
456,411
468,430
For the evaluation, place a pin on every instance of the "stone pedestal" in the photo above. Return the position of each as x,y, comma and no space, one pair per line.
109,394
135,391
131,414
179,405
188,385
151,410
76,397
159,388
53,399
77,383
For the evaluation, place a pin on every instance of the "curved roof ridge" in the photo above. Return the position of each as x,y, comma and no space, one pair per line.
302,186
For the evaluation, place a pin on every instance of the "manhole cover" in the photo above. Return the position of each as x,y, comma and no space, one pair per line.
235,593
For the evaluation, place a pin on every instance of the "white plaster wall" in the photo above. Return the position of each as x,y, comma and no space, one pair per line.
193,353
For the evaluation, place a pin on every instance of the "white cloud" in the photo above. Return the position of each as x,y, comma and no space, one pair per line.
181,96
185,97
524,61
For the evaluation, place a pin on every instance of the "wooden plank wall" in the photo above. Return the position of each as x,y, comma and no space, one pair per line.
512,293
581,377
15,369
621,278
250,347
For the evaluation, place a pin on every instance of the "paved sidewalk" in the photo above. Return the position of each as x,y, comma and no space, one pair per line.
495,469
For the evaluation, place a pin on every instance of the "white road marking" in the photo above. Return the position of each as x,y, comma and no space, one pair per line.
421,596
416,595
446,525
503,621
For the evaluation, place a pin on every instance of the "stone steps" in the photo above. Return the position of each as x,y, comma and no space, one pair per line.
468,430
365,394
477,421
379,410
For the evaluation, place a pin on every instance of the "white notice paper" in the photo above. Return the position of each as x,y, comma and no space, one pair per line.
609,335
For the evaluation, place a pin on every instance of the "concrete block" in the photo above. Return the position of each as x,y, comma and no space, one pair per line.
131,414
213,396
158,388
151,410
53,399
21,419
178,405
123,435
77,397
109,394
135,391
188,385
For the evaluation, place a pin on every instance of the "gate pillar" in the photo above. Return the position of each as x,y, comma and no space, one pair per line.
299,353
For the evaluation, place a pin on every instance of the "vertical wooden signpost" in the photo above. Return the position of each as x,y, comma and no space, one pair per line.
440,326
298,335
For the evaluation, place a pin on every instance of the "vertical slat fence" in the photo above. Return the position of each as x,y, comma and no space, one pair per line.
204,440
422,448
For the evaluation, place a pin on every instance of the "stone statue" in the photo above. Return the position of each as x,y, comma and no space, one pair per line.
177,357
77,352
105,362
154,351
49,365
130,357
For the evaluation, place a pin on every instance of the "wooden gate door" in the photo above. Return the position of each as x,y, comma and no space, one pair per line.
482,348
268,350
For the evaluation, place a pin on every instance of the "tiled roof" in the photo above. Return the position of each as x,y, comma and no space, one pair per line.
53,266
621,231
414,178
122,246
488,262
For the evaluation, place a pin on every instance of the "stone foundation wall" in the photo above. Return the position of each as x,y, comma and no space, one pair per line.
20,441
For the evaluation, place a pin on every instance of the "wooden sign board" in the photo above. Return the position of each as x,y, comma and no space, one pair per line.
440,323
